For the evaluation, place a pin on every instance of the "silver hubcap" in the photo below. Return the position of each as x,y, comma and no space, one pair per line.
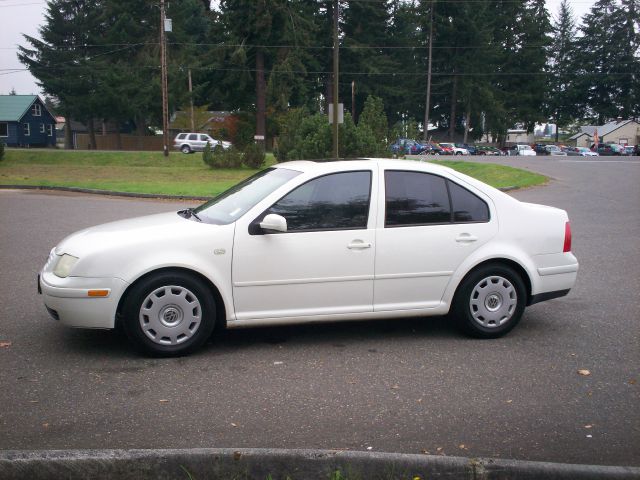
493,301
170,315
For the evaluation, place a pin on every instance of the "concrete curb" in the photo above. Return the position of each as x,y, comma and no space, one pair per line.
275,464
103,192
131,194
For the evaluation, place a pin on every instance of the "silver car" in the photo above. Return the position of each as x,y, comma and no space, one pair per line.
195,142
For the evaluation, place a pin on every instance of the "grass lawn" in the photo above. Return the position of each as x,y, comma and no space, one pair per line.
496,175
150,172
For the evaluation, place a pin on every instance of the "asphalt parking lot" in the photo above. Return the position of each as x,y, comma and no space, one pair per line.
406,386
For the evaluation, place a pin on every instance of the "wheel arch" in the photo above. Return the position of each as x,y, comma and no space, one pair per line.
517,267
221,310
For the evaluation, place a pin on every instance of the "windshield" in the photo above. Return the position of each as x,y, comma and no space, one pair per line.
230,205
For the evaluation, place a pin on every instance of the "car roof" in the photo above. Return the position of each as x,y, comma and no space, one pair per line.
388,163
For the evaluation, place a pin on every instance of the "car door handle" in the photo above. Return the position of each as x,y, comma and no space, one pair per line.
466,238
358,245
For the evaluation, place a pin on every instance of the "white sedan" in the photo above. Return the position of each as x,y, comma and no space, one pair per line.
309,242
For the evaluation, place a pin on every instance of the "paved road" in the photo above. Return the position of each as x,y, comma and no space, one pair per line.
397,386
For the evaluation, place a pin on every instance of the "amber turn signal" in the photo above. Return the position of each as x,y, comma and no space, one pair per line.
98,293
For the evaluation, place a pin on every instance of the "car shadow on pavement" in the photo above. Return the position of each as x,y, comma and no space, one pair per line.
98,343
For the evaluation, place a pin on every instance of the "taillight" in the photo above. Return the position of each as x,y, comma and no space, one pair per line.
567,237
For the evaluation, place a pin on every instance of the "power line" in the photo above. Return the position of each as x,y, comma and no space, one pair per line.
302,72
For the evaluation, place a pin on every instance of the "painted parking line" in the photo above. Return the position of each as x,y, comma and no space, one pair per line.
600,161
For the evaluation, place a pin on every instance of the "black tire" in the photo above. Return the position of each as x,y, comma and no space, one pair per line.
185,149
185,316
489,302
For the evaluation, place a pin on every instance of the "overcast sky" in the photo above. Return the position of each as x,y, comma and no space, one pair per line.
25,16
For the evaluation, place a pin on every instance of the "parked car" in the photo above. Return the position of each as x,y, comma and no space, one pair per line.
546,149
408,146
434,149
446,148
520,149
555,151
608,149
540,148
195,142
629,150
312,241
472,149
455,149
485,150
580,151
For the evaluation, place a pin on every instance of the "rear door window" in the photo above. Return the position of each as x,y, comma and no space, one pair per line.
414,198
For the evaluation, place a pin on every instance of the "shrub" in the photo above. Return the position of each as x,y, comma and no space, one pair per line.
218,157
207,156
372,124
1,150
254,156
229,158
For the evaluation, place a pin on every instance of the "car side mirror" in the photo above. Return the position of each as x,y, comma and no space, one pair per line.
274,223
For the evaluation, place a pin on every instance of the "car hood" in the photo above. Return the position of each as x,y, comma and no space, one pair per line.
163,227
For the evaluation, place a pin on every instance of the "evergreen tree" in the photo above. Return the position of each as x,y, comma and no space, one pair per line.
562,92
366,29
270,37
64,60
607,64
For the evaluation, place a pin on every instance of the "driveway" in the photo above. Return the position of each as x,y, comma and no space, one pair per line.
406,386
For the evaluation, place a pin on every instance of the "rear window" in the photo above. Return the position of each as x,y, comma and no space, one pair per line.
182,136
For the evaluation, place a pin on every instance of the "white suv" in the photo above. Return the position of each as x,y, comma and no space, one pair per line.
195,142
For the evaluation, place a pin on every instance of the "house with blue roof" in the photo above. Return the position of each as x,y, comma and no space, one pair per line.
26,122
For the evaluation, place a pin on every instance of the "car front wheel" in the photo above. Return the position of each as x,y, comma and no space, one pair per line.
169,314
490,301
185,149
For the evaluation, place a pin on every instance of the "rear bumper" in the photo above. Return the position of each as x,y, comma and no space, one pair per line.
67,300
541,297
556,275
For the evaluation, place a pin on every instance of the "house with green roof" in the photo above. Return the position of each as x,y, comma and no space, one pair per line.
26,122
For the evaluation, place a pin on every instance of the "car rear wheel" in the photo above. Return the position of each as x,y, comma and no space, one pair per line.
169,314
185,149
489,302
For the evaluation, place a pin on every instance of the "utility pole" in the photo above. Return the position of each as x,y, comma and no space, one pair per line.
353,100
193,122
165,93
426,110
336,7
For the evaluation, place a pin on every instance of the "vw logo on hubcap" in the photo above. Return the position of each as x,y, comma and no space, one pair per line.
493,302
171,316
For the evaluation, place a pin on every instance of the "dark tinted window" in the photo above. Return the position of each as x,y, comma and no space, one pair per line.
4,129
414,198
467,207
204,138
193,136
333,202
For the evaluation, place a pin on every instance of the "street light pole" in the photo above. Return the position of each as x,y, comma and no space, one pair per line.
165,93
336,6
428,106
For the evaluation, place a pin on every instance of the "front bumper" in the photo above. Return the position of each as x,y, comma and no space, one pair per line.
68,300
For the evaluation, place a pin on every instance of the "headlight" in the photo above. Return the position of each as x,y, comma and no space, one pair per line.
64,265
